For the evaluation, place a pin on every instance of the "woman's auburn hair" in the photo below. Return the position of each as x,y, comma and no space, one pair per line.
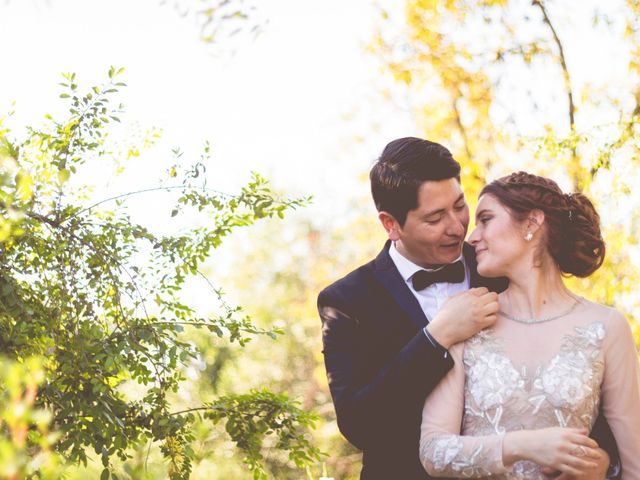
573,236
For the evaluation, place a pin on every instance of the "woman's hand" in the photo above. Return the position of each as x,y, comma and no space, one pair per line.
599,473
567,450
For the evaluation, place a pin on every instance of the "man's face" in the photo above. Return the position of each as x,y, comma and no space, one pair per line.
434,232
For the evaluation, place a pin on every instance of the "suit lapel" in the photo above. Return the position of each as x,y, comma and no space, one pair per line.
387,273
475,280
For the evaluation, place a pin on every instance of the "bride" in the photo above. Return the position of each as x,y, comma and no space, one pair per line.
524,394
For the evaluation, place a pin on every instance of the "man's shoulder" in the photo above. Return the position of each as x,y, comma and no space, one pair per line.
351,286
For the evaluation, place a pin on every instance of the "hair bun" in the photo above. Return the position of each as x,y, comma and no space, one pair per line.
586,249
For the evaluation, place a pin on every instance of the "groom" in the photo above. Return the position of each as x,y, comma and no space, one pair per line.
387,326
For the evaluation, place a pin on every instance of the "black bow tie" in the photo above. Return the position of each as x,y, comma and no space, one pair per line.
451,273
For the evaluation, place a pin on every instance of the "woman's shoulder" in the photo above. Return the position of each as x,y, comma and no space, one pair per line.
612,318
595,306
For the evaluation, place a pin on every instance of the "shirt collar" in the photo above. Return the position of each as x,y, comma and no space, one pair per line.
405,266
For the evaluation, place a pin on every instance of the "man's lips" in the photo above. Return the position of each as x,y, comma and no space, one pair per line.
452,245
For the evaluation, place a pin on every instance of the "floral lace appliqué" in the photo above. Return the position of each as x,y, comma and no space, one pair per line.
499,397
571,382
447,455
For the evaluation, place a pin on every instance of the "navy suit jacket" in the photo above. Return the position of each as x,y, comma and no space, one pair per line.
380,365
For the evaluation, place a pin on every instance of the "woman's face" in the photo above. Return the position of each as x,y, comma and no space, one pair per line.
498,239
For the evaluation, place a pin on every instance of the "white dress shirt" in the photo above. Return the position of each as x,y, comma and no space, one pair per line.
432,297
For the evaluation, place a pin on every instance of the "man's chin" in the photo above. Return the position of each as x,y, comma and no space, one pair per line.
451,253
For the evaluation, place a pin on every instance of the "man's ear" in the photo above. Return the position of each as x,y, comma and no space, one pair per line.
391,225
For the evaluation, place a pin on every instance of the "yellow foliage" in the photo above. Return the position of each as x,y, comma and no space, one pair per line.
452,64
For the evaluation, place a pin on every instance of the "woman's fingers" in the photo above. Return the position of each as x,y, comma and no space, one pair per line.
579,460
581,439
581,450
588,452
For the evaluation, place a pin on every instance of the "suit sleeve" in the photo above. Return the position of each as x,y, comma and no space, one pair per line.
365,402
601,433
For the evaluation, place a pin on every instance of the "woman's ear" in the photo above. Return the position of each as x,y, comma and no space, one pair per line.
390,224
534,221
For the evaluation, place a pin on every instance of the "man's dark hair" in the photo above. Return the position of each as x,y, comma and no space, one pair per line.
405,164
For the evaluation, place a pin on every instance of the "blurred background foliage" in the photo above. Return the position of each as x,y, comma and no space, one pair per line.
505,85
97,297
223,24
26,443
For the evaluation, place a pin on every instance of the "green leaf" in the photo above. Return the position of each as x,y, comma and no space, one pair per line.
83,288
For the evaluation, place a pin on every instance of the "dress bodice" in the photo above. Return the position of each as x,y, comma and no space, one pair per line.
526,376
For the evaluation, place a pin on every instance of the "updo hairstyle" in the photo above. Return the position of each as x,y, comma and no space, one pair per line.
572,235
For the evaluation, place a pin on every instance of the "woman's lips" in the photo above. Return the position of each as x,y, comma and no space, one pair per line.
480,251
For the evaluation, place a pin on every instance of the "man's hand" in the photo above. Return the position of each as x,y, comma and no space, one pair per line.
463,315
599,473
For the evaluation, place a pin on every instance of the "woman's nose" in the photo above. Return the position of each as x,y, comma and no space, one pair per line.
474,238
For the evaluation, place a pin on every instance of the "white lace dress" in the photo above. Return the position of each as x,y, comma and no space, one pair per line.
529,376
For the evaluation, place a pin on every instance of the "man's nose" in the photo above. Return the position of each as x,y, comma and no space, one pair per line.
456,228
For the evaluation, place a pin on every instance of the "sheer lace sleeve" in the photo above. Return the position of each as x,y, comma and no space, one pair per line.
443,451
621,392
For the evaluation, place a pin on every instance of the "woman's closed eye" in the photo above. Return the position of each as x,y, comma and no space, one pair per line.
485,219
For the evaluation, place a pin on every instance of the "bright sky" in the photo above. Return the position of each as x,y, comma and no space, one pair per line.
298,104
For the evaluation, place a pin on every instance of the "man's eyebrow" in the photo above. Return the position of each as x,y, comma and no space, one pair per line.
442,210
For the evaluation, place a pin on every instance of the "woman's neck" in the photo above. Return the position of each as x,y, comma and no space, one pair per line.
536,293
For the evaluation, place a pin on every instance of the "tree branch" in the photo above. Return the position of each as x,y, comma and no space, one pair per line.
461,127
563,63
575,167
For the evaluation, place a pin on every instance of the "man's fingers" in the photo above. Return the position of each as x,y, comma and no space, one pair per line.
478,291
580,464
489,296
592,453
490,319
553,473
490,308
570,471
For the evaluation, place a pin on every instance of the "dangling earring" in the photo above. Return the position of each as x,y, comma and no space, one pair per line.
528,236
